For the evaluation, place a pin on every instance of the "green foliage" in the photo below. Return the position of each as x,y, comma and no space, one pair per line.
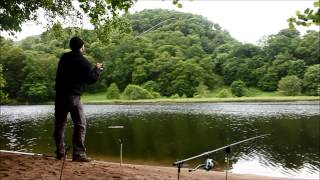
13,60
268,82
114,28
188,76
3,95
308,49
201,90
151,86
284,42
238,88
224,93
38,84
37,92
290,85
113,92
307,18
134,92
297,68
311,80
15,12
104,15
155,94
175,96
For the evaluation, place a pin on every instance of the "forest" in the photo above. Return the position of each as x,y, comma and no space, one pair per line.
186,56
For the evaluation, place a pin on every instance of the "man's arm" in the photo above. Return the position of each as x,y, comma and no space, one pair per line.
58,72
91,75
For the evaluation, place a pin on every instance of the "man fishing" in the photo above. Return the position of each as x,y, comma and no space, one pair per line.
73,73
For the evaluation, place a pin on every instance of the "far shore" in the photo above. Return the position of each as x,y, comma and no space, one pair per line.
88,99
204,100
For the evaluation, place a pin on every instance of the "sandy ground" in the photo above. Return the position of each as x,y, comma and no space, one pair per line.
17,166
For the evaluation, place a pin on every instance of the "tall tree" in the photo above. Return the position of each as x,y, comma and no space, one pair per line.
13,61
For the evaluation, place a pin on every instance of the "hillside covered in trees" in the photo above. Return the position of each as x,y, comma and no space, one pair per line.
185,56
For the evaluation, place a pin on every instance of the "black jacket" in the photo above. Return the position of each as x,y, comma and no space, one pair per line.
74,71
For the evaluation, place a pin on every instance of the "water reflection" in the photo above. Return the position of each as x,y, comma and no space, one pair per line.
161,134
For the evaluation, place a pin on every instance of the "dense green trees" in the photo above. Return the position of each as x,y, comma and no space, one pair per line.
29,75
3,95
39,80
185,56
13,61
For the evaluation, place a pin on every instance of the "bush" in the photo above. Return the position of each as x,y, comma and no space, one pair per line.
35,92
238,88
151,86
224,93
175,96
136,92
268,82
290,85
155,94
113,92
201,91
311,80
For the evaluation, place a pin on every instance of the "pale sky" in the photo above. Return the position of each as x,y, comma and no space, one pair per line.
245,20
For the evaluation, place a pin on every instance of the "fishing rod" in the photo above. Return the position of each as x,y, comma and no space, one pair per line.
25,153
209,162
64,159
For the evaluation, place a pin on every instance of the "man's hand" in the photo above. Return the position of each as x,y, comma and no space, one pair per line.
99,66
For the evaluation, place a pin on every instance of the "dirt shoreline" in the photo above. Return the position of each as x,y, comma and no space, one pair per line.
18,166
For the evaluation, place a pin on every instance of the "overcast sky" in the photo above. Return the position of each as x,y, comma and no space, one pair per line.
246,21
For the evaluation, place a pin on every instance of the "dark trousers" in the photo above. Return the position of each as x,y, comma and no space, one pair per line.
63,105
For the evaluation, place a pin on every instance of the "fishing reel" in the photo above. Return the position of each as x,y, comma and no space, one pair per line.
208,165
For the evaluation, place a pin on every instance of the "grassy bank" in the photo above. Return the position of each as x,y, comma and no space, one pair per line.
100,98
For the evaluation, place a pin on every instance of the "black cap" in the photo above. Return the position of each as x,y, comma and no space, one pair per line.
75,43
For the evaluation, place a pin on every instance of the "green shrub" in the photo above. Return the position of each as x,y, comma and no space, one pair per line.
290,85
201,91
224,93
151,86
136,92
113,92
311,80
155,94
175,96
35,92
238,88
268,82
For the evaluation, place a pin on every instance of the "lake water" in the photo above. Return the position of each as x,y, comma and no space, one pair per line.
160,134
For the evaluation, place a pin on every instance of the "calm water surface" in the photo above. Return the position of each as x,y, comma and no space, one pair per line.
162,134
